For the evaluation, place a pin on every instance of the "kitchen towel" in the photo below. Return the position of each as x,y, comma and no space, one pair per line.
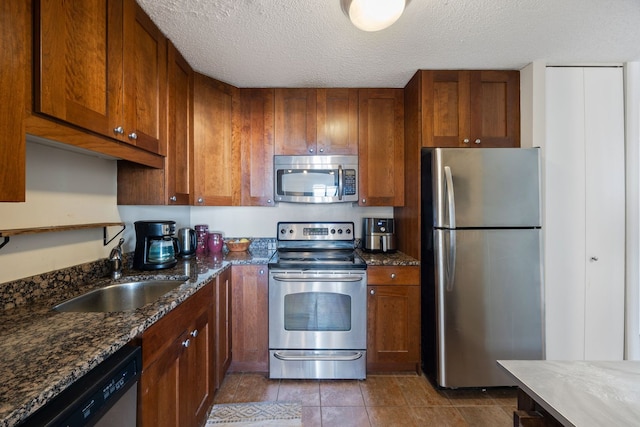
256,414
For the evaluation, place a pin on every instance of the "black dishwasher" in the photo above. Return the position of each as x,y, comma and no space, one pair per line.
105,396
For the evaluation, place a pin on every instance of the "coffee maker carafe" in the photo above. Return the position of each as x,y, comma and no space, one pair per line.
156,248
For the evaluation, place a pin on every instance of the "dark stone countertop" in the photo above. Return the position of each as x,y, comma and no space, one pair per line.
395,258
44,351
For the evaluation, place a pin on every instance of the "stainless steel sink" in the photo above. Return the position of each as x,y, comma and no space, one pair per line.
120,296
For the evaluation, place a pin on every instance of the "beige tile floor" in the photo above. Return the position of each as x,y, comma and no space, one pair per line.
380,400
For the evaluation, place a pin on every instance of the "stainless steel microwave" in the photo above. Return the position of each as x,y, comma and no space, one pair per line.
315,179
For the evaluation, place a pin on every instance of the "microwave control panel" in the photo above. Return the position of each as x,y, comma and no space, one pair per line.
349,182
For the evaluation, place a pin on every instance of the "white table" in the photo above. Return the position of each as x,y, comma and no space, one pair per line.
581,393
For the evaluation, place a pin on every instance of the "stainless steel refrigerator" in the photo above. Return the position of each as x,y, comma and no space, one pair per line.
482,293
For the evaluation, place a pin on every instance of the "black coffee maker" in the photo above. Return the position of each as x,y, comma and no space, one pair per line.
156,248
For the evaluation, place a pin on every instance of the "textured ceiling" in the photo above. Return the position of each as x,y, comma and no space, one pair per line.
311,43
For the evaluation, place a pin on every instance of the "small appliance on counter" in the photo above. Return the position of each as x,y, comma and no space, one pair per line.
378,235
156,248
187,242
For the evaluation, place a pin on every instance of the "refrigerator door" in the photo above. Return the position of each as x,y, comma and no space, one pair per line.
493,308
486,187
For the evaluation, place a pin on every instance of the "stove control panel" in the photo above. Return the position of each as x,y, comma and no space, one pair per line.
318,231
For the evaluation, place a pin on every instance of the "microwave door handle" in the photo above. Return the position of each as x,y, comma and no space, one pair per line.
340,178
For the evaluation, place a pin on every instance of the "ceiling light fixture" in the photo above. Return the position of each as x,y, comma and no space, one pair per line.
373,15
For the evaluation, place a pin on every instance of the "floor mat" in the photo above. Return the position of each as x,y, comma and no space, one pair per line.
256,414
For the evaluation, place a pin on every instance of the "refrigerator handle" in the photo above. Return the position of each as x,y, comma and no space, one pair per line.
451,199
451,265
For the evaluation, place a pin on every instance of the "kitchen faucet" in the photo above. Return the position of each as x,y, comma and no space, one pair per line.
115,259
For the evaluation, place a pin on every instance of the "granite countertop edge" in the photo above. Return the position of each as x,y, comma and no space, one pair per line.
46,351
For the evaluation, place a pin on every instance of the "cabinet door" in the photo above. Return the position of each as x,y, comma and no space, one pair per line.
216,161
78,69
295,121
223,326
180,123
14,28
381,147
250,318
197,364
393,328
337,121
159,388
494,109
445,108
256,135
145,79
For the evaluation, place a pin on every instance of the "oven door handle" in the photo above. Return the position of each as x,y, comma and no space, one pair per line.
282,355
318,279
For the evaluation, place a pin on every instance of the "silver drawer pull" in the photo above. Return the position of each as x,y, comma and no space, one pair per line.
329,357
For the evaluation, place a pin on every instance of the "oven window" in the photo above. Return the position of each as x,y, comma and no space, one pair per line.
317,311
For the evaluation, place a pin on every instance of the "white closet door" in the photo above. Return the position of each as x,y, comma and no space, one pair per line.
584,214
605,209
564,222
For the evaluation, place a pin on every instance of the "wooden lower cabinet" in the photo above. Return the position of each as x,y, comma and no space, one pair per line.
393,318
223,326
177,382
250,318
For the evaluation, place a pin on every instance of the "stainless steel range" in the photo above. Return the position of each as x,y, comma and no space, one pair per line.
317,303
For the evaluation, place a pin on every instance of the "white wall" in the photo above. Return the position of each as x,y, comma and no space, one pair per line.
63,188
632,130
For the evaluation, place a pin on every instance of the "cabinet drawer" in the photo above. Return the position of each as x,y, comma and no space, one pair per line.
393,275
166,330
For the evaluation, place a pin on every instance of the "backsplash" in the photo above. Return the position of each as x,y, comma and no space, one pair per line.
54,283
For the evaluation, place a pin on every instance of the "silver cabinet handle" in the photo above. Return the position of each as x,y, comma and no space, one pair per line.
393,275
364,201
200,200
186,343
119,130
372,291
269,201
321,150
477,141
133,135
261,271
466,140
173,198
311,150
194,333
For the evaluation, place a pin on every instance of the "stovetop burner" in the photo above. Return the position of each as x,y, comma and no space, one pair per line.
317,245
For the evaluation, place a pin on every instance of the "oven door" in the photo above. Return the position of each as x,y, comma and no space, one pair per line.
317,324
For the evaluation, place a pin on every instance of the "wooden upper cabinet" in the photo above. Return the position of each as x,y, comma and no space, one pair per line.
14,40
145,80
180,127
78,69
381,147
142,185
216,159
295,121
257,146
495,108
101,65
337,121
316,121
470,108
